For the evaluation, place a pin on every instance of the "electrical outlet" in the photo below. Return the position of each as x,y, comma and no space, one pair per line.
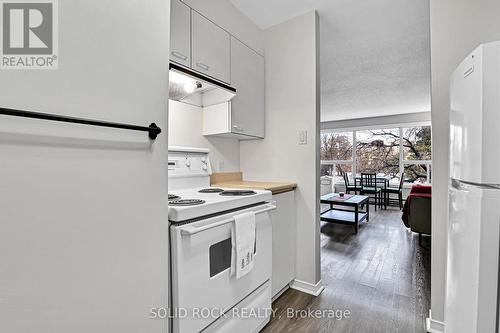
302,137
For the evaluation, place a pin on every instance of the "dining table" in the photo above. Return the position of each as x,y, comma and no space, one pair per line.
380,180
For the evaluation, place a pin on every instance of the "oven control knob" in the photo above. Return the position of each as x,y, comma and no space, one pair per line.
188,164
204,160
204,167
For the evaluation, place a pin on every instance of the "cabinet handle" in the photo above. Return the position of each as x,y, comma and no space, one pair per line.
179,55
237,128
202,66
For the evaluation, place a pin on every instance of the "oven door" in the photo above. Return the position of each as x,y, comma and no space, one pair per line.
203,288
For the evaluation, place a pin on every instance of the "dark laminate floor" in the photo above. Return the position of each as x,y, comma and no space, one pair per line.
381,275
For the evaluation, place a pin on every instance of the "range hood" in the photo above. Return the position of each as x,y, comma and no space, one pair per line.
197,89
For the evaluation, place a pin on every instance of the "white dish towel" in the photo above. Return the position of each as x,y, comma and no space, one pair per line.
243,244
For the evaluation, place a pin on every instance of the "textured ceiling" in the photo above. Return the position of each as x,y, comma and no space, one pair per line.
375,55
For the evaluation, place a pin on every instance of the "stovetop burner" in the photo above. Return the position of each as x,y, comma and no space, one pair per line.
237,193
173,197
211,190
186,202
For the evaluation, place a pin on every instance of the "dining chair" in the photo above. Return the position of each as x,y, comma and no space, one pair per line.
349,187
369,186
396,190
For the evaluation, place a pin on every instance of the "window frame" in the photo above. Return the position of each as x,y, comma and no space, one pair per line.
402,161
352,161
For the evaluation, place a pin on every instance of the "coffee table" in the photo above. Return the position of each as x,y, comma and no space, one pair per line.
346,216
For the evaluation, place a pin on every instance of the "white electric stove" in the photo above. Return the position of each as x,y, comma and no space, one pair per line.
205,295
189,204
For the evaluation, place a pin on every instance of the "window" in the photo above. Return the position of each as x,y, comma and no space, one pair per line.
417,173
220,256
326,169
337,154
377,151
336,146
417,154
417,143
387,151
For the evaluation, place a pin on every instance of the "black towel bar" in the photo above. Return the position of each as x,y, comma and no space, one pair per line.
152,129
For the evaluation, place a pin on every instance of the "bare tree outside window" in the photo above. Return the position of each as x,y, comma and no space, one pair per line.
386,152
417,147
336,146
377,151
416,173
417,143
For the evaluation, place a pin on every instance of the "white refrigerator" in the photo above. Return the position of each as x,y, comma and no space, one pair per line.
474,191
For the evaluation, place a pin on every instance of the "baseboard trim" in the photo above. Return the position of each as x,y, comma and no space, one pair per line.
434,326
308,288
281,292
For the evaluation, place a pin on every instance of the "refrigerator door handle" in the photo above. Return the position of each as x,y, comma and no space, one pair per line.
459,184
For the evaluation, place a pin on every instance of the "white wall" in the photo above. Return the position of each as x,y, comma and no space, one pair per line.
84,230
227,16
457,27
185,129
292,104
373,122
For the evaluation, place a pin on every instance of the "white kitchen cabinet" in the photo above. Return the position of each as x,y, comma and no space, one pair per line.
210,48
180,33
247,76
284,243
244,116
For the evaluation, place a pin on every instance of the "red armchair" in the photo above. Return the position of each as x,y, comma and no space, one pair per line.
417,211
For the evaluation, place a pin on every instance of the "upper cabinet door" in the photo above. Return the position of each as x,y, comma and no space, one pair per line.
247,76
210,46
180,33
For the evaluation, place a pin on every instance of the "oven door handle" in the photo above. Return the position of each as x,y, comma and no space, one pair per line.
188,230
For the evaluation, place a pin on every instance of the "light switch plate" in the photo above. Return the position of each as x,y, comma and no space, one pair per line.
302,137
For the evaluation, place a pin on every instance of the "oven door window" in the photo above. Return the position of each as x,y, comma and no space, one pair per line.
220,256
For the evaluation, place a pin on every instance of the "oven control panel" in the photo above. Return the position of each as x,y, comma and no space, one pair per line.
187,162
